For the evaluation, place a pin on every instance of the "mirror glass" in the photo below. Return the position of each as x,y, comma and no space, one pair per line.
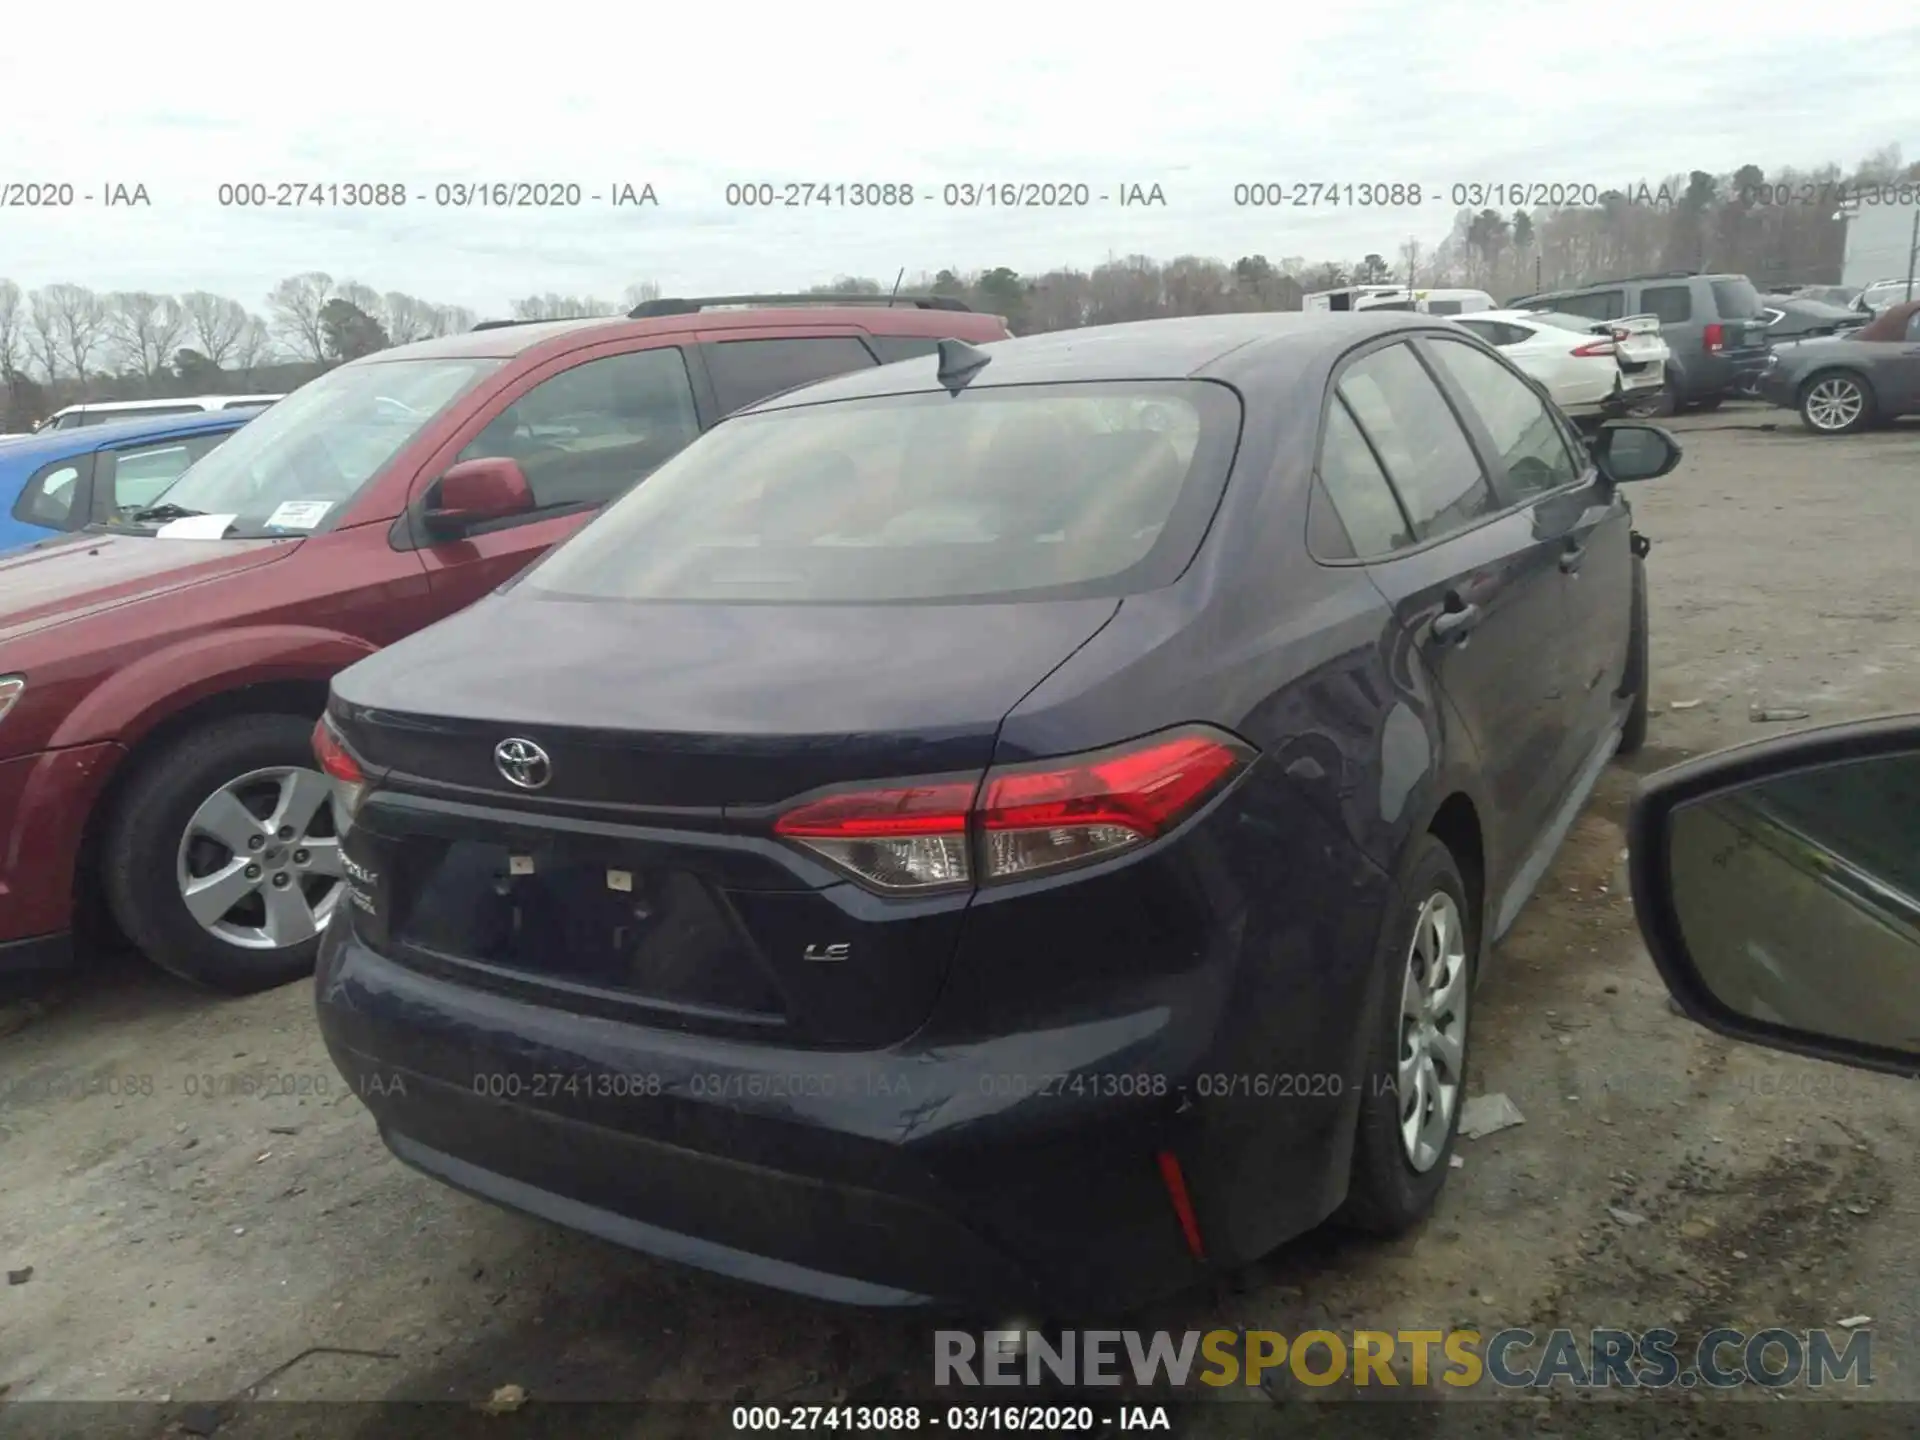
1798,898
1635,452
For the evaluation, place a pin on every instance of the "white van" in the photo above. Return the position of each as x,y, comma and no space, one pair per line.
102,412
1395,297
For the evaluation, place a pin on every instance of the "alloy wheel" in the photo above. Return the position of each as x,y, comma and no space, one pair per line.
259,863
1433,1030
1835,403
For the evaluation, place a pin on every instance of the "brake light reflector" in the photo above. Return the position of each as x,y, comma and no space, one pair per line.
1596,347
1025,819
1714,338
349,781
901,838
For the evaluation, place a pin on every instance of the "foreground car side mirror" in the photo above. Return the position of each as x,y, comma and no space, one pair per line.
1630,450
476,491
1777,886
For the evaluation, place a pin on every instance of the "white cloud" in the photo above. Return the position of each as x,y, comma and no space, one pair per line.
1193,99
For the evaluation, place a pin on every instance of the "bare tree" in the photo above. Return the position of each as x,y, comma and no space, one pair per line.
451,320
216,325
404,318
12,332
562,307
42,339
78,322
363,298
146,328
252,345
295,304
639,293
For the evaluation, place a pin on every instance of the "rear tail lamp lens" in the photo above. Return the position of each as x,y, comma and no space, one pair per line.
349,781
1594,348
1021,820
1713,339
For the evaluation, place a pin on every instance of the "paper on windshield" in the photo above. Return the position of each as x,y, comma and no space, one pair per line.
196,527
299,514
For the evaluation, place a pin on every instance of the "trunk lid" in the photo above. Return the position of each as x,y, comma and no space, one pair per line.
1638,347
643,877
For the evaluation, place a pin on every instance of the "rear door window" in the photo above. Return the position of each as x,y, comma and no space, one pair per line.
1406,418
1672,303
1028,491
1594,304
50,495
1358,489
744,371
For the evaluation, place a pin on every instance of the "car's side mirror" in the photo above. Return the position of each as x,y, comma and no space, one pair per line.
1777,886
476,491
1632,450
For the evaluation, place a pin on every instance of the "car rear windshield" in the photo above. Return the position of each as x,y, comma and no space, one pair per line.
998,493
1736,299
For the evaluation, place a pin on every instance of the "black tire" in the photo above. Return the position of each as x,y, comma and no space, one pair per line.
1635,682
143,841
1386,1195
1832,385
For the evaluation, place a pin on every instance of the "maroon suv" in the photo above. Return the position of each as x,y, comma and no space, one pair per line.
160,678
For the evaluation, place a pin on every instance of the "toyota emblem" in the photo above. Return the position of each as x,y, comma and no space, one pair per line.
523,763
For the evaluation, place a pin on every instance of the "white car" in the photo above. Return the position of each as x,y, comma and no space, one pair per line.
1589,367
1882,293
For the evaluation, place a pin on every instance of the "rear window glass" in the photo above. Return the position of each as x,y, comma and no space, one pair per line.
1736,299
1035,491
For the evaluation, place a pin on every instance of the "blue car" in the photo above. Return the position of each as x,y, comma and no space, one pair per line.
60,481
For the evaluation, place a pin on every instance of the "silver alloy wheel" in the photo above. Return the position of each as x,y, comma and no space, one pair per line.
1433,1030
259,863
1835,403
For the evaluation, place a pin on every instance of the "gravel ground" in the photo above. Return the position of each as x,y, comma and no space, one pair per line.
187,1240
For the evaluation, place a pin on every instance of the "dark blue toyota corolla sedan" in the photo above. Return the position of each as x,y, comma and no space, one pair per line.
1014,827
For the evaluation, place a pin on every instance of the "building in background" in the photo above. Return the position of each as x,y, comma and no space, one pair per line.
1880,241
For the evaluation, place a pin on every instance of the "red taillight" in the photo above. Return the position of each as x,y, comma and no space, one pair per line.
1176,1183
1028,818
348,780
333,756
1714,338
1596,347
1623,335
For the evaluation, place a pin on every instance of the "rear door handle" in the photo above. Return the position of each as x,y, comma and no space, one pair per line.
1571,557
1456,624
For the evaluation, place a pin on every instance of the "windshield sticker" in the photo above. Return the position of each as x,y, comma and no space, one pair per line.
299,514
196,527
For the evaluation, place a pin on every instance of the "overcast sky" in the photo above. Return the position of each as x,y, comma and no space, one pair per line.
1192,98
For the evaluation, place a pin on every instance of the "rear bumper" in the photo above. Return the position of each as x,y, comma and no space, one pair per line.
1728,373
1779,389
44,803
1008,1174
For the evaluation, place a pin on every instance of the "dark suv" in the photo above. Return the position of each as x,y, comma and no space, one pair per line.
1712,323
160,674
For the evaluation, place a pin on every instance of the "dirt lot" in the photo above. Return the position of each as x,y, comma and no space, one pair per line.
186,1242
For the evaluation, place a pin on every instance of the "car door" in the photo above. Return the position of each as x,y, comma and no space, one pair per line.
1476,594
1536,464
748,365
584,428
131,476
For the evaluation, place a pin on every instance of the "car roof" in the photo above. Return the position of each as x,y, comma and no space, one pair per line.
505,342
1889,325
1222,347
52,444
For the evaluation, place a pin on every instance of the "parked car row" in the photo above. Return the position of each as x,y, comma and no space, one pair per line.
961,707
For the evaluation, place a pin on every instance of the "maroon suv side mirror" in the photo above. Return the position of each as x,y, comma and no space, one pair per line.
475,491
